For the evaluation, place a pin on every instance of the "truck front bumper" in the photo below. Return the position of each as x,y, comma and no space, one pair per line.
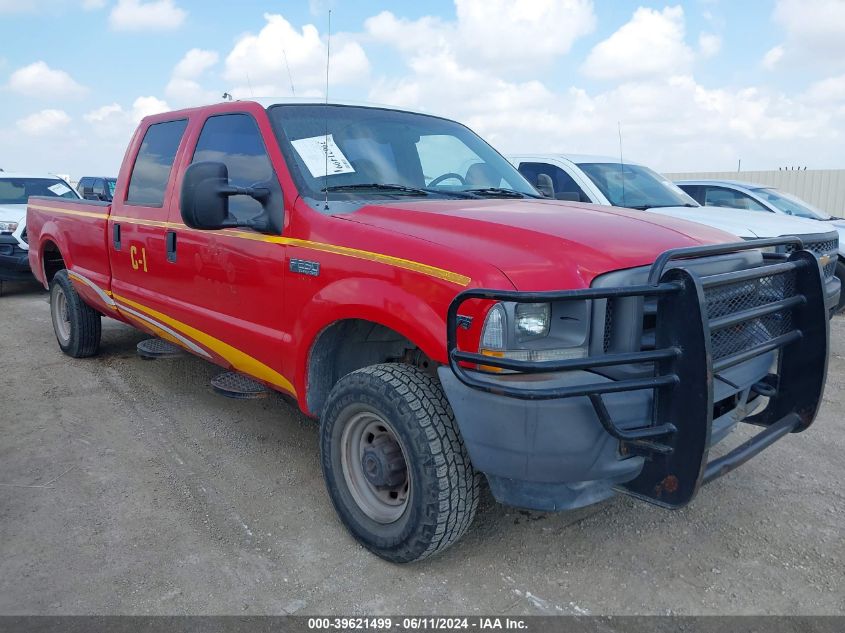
14,260
557,435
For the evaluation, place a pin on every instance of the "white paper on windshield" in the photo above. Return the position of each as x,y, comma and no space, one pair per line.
313,153
59,188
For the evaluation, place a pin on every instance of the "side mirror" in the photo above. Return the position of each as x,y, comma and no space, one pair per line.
204,200
201,200
545,185
571,196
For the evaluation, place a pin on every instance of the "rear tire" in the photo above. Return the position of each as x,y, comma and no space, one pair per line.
76,324
395,467
840,274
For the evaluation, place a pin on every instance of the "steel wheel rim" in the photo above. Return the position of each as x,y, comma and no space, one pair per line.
61,318
381,505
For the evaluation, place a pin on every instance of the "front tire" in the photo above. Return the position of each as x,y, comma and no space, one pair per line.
76,324
395,467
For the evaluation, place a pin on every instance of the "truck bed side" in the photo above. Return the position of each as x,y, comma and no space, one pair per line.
72,234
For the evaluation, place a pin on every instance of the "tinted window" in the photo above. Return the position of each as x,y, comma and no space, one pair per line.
18,190
696,191
563,182
722,197
235,140
100,186
155,159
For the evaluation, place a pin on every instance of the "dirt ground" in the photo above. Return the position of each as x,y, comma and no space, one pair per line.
129,487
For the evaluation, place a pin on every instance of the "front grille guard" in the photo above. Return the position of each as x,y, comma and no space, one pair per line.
675,442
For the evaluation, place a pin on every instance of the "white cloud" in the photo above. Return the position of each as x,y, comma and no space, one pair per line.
504,35
39,80
116,124
44,122
828,91
651,44
256,64
813,27
184,88
772,57
709,45
154,15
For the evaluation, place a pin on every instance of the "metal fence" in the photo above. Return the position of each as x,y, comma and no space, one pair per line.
824,188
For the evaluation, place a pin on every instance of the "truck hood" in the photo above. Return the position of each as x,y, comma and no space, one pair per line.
746,224
12,212
539,244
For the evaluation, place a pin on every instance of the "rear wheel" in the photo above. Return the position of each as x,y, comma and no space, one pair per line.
395,467
76,324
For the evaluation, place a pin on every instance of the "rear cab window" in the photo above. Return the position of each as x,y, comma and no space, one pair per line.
154,162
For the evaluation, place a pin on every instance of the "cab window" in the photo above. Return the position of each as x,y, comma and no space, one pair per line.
563,182
724,197
151,170
235,141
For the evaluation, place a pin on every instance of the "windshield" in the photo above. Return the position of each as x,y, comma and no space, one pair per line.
635,186
18,190
790,204
376,153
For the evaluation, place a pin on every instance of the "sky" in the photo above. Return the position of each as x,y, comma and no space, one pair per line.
696,85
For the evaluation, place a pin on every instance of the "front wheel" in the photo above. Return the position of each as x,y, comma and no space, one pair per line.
395,467
77,325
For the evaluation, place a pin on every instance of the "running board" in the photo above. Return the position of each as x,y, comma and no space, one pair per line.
154,348
234,385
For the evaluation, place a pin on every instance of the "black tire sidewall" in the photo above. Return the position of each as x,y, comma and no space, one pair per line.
408,537
79,314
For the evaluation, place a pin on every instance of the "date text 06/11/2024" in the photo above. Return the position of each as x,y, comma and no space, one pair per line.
415,623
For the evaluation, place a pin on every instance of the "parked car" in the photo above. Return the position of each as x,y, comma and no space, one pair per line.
15,189
438,319
607,181
751,197
96,187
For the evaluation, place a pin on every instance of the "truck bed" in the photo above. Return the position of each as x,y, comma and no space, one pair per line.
50,224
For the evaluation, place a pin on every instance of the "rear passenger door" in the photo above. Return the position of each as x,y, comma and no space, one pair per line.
137,225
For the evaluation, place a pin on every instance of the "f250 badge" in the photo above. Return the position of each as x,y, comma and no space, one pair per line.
305,267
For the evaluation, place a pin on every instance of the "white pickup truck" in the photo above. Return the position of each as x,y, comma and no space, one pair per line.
611,182
15,190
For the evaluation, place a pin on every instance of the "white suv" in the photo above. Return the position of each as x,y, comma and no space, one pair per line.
15,190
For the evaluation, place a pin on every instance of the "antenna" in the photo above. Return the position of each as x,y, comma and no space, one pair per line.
621,163
290,77
326,148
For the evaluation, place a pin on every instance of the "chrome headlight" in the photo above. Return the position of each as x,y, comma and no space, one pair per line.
8,227
536,331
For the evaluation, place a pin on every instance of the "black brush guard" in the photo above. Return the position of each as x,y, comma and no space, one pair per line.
776,306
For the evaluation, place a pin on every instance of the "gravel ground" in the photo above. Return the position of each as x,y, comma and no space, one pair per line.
129,487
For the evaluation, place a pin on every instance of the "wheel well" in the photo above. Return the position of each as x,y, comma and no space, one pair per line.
353,344
52,260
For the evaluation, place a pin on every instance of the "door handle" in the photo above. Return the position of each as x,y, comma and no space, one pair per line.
170,238
116,236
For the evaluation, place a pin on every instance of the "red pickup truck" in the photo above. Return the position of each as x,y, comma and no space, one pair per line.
402,281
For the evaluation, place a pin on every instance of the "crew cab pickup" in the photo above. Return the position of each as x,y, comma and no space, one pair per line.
409,288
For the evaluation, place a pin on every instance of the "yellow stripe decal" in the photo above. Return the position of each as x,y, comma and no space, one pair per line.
84,214
424,269
240,361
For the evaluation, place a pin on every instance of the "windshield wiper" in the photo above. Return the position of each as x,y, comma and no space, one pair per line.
501,192
399,189
646,207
